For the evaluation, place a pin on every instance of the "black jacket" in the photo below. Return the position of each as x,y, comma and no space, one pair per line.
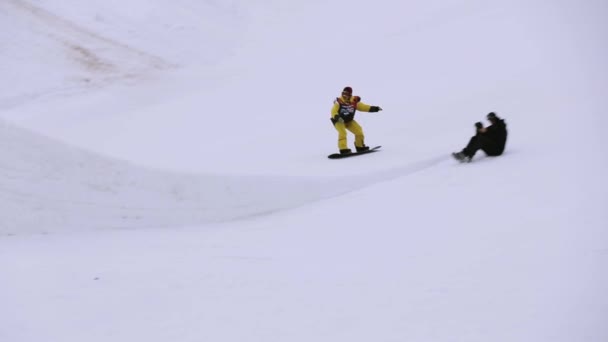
497,135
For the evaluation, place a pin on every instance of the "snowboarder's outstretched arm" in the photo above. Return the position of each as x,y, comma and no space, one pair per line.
367,108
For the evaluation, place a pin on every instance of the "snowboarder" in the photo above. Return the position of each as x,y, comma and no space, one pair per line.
343,115
491,139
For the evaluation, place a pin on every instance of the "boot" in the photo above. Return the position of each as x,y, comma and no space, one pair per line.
345,151
461,157
362,148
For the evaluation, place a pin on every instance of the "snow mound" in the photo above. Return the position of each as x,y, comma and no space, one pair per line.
47,187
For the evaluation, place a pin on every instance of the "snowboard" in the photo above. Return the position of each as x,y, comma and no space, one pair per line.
352,154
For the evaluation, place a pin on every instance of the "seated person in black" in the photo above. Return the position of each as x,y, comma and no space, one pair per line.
491,139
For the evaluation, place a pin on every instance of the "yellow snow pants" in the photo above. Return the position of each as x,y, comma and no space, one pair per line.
354,128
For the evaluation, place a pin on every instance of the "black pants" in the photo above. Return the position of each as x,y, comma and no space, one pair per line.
481,142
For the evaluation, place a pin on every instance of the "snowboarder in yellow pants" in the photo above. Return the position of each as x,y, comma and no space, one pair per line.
343,118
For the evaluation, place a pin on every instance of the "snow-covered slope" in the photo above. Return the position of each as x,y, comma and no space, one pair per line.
173,153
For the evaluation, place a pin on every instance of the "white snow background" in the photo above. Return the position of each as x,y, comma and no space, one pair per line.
163,171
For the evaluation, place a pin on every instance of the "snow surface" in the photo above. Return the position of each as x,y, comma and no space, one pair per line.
163,173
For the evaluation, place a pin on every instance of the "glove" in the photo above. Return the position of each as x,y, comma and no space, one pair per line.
374,109
335,119
478,125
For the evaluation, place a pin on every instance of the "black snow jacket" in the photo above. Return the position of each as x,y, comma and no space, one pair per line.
497,135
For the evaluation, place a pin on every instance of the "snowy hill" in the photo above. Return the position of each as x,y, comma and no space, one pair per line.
163,174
